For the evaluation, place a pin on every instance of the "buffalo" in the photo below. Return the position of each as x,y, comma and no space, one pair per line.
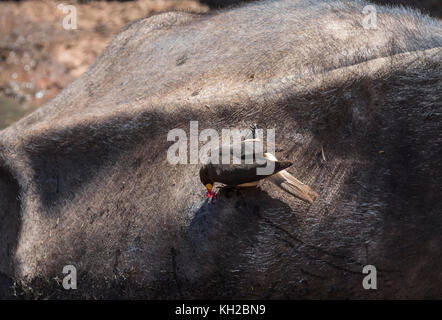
353,92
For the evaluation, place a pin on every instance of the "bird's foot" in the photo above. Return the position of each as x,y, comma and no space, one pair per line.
227,191
227,188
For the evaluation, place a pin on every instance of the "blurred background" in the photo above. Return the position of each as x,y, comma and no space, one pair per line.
38,57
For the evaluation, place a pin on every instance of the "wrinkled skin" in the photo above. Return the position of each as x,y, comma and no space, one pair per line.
431,7
85,181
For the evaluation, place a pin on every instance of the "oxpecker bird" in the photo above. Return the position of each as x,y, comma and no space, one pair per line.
247,174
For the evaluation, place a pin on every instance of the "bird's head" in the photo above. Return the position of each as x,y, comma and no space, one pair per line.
209,188
206,181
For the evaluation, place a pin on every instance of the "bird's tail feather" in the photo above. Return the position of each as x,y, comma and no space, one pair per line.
290,184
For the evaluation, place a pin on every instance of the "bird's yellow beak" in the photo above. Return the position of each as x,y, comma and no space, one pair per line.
209,187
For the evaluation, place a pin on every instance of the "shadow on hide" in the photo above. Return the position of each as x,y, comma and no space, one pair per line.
223,235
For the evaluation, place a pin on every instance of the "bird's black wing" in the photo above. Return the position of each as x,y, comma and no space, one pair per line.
235,174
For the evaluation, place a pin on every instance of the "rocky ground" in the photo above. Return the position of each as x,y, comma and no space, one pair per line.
38,57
